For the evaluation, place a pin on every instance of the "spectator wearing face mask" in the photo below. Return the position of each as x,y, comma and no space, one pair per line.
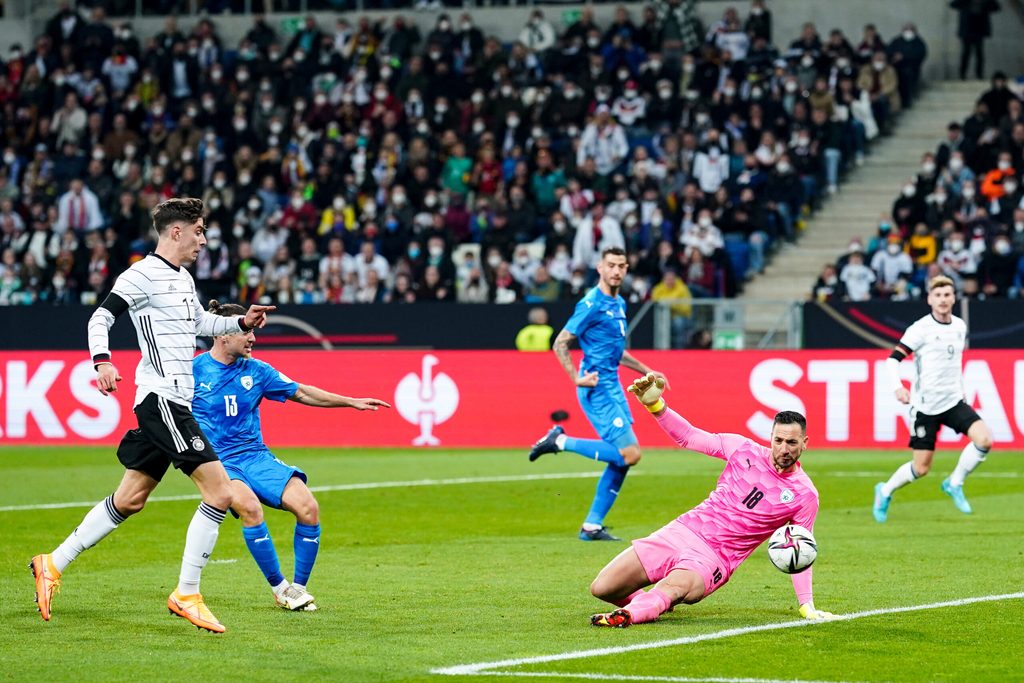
857,278
891,265
907,52
909,208
828,286
957,262
957,173
992,184
997,268
880,81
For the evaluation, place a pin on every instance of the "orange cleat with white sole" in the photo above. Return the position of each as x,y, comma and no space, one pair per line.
193,609
47,582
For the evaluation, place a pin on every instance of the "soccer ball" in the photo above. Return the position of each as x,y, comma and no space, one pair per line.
792,549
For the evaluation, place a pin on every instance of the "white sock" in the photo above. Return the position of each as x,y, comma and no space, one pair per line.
299,586
560,441
98,522
280,588
970,458
587,526
199,542
903,475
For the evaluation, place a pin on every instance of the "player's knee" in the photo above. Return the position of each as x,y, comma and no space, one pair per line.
308,512
220,499
631,455
921,469
130,505
983,442
600,588
250,512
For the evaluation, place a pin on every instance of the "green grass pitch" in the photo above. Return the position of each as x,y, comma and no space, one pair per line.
438,574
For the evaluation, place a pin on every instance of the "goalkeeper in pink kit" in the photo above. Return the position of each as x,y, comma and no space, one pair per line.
759,490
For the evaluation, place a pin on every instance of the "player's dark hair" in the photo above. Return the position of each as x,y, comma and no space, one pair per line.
613,251
226,310
791,417
177,210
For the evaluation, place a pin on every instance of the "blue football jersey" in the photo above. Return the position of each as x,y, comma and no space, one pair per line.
599,322
227,401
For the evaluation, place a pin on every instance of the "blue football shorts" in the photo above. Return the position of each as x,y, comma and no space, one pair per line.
264,474
608,411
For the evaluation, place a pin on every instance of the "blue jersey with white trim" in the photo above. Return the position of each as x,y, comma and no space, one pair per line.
599,322
227,401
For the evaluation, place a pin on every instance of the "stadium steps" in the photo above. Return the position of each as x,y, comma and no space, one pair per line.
866,194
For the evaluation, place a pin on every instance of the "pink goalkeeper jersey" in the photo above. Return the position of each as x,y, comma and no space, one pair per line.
751,499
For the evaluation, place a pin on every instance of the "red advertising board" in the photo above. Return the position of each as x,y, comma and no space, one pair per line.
505,398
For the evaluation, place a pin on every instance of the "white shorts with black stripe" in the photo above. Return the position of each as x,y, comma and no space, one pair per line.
167,434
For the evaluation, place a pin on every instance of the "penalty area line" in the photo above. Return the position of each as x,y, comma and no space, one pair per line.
487,668
363,486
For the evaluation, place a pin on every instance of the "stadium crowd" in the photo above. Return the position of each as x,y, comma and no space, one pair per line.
962,216
368,162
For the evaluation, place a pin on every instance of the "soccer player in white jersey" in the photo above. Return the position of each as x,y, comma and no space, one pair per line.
937,341
160,296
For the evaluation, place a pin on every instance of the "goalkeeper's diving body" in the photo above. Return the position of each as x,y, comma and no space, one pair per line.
230,385
599,323
694,555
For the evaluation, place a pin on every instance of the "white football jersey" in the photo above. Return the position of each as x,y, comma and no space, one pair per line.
167,316
938,357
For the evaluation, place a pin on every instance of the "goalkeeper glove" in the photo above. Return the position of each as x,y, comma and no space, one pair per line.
807,611
648,390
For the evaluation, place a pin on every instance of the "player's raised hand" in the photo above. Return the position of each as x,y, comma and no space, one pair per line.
256,316
587,379
903,395
807,611
107,378
648,389
369,403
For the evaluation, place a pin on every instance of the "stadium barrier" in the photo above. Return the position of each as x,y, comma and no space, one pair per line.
505,398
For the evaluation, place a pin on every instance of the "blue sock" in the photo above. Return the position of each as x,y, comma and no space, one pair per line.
608,487
596,450
257,538
307,543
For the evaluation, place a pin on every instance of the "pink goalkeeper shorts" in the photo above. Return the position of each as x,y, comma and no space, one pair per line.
674,546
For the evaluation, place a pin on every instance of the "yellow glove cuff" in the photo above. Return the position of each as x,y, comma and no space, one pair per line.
657,406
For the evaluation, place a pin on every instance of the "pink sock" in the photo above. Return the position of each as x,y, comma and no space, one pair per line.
625,601
648,606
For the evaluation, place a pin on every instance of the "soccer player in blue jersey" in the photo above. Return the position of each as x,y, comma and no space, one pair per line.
230,384
599,323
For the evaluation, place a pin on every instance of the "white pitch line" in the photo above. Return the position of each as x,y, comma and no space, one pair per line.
666,679
346,487
983,475
484,667
224,561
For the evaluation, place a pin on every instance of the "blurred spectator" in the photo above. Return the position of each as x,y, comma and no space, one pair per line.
907,53
536,335
891,265
973,27
673,289
828,287
857,278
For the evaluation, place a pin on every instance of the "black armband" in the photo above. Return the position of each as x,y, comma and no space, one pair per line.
115,304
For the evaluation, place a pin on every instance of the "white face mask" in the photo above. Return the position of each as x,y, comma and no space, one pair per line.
1002,247
1019,226
339,204
398,199
559,226
494,260
729,92
928,167
219,183
908,35
894,249
436,252
956,165
214,203
909,191
244,179
1004,164
477,98
782,167
512,122
253,205
276,127
665,93
807,62
940,198
1010,187
704,222
187,156
956,245
630,94
791,86
430,201
968,193
297,203
878,65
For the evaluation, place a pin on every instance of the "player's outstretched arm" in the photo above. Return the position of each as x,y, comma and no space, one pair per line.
648,390
561,349
309,395
100,322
